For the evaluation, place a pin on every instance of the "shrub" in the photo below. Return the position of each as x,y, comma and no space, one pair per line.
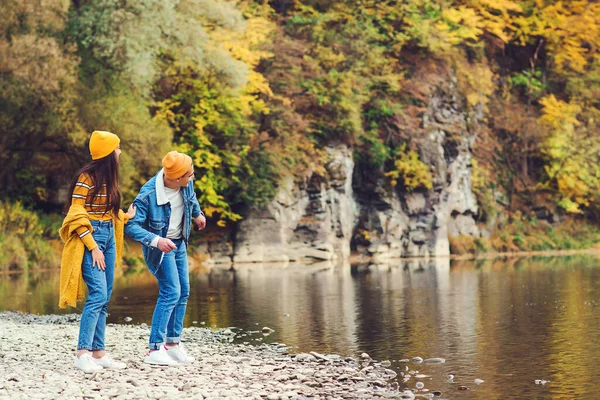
462,244
25,239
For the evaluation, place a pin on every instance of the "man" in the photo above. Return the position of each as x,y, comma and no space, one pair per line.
166,206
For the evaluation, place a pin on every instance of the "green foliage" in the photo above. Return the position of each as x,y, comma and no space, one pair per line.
377,152
128,37
37,97
254,96
528,234
532,82
346,72
24,239
216,123
121,111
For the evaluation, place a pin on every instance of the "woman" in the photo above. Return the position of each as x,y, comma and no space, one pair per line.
93,236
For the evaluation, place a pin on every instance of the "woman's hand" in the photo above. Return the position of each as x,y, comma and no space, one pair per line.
98,259
131,211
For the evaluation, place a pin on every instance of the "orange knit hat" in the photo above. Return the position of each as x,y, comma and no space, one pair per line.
176,164
102,144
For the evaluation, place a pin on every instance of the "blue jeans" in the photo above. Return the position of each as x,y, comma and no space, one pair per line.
173,292
100,284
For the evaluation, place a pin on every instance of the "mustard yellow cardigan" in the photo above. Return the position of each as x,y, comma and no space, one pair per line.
71,279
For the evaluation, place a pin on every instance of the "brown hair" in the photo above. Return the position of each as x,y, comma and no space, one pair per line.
102,171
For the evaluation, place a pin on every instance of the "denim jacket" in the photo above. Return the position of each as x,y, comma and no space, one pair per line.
152,218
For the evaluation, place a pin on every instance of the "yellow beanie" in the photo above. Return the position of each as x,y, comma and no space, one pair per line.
102,144
176,164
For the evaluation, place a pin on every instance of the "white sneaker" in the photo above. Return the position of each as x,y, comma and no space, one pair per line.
159,357
86,364
179,354
108,362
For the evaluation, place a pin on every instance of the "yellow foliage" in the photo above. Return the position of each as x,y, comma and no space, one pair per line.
567,164
558,114
476,81
480,177
570,28
462,244
465,21
414,173
328,56
245,46
461,25
42,15
497,16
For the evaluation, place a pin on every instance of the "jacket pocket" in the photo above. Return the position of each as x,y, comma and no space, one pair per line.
156,226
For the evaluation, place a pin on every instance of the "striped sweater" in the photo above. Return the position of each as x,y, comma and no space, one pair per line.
82,195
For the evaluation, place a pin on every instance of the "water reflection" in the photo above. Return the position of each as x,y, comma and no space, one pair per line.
509,322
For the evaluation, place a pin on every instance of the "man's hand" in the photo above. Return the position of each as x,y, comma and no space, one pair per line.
200,221
165,245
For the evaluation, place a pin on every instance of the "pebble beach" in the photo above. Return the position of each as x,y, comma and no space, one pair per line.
37,353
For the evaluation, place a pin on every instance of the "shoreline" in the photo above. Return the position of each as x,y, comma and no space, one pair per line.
357,259
37,353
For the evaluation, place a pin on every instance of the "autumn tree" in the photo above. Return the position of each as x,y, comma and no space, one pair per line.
38,97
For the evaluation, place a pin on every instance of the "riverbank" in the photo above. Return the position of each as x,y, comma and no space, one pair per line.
36,361
37,246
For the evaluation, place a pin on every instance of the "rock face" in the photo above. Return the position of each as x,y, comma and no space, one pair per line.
312,220
397,224
354,210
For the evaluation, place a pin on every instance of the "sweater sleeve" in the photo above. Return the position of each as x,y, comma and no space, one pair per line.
80,192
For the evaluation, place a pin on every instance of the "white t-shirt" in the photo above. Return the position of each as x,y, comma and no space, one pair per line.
176,221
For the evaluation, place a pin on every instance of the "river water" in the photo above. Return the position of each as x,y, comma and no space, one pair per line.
527,327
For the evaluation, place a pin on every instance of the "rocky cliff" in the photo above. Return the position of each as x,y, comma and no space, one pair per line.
313,220
394,224
353,211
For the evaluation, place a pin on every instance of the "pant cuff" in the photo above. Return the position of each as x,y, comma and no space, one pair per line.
173,340
155,346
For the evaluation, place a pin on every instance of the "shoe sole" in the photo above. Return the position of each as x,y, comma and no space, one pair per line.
186,362
89,372
161,364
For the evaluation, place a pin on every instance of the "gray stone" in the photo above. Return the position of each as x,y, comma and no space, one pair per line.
319,356
305,357
305,221
222,372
